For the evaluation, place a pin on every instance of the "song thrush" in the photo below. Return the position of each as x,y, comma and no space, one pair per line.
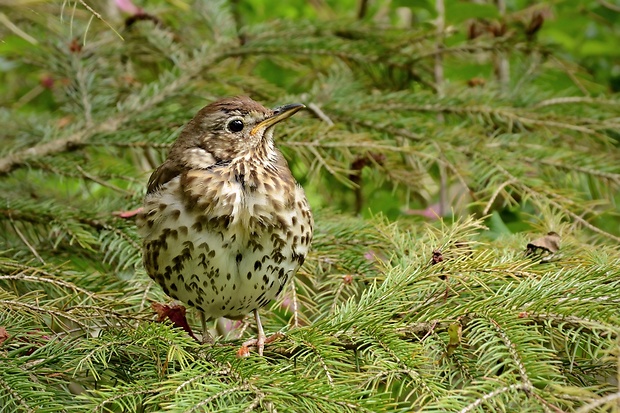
225,225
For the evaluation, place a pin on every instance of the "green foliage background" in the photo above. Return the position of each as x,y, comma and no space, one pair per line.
441,138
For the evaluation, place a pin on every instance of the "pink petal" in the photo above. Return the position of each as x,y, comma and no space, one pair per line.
127,6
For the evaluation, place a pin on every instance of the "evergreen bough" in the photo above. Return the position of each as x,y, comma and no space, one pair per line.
391,312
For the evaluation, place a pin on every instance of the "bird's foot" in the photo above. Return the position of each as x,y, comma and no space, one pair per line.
206,338
258,342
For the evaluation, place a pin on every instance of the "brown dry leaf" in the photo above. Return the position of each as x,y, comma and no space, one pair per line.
244,351
75,46
549,243
457,250
437,257
476,81
176,314
4,336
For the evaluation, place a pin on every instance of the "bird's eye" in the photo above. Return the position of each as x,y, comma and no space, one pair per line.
235,125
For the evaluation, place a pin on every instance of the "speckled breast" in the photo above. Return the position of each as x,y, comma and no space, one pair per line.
222,244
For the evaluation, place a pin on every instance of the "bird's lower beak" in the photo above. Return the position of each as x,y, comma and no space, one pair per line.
279,114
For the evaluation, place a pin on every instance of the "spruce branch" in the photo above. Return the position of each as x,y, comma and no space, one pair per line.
488,396
439,312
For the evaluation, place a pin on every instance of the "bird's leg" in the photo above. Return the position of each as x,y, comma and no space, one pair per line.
206,336
259,341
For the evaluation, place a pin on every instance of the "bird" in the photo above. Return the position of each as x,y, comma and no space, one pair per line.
225,225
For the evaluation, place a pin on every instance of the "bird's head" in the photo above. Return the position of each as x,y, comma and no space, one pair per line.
228,129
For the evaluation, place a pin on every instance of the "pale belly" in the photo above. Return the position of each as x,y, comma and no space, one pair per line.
226,266
220,276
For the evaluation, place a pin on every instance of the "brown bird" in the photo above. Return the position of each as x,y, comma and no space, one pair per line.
225,225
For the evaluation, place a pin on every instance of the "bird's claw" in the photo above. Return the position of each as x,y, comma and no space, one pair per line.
259,343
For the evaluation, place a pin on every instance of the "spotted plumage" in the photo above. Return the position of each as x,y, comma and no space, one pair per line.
225,225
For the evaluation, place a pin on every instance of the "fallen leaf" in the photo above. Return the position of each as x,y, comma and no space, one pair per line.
174,313
549,243
476,81
75,46
244,351
4,336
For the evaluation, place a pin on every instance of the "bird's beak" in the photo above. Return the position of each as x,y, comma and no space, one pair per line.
279,114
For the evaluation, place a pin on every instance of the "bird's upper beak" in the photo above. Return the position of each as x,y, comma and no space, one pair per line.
279,114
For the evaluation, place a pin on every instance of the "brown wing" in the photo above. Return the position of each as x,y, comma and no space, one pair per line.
165,173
